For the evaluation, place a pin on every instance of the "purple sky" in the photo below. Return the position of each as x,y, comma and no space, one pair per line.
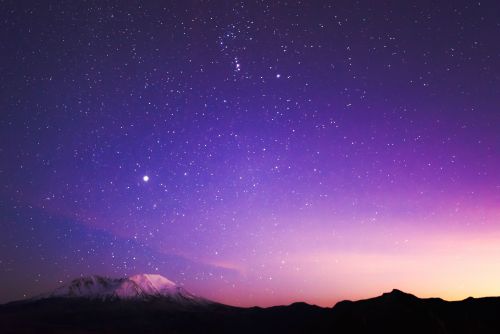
312,150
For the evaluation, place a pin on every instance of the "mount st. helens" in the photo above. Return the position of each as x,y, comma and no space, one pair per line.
137,287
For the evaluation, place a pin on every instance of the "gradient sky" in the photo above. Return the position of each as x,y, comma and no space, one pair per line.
257,152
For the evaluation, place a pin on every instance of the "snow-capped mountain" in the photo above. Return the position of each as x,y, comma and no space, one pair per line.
142,287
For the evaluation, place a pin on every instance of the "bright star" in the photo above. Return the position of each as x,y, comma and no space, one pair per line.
145,178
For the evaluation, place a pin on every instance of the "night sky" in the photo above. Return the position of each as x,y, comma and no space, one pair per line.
257,152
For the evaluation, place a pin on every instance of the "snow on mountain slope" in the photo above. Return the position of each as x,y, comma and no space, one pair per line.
143,286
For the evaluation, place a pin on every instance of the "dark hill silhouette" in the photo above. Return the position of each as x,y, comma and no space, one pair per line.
394,312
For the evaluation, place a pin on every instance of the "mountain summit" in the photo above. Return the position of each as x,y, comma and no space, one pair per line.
139,287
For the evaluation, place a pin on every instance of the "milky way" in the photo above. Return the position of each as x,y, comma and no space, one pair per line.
257,152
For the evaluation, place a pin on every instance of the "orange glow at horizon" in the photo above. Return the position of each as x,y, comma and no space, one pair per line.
449,265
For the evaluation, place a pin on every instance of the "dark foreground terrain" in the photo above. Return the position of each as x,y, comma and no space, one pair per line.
394,312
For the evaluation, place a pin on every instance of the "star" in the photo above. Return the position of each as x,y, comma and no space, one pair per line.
145,178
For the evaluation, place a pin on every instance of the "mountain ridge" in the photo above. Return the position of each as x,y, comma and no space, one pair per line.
149,306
